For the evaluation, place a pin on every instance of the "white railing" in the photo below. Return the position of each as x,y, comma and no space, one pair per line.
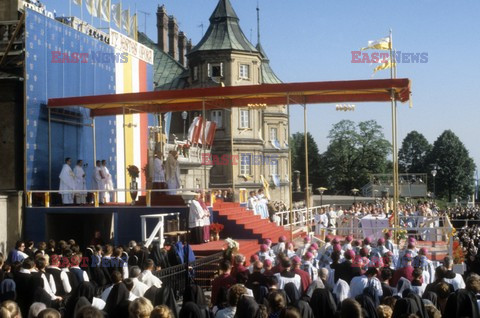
158,231
299,217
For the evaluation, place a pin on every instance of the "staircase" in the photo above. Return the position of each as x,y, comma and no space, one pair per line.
241,223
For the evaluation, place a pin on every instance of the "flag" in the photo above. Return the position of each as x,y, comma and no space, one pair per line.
266,187
382,44
92,7
126,20
133,27
104,9
384,66
77,2
117,14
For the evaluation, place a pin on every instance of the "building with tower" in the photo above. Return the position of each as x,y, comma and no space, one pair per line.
257,136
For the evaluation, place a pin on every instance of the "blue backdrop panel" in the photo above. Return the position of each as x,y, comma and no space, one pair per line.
44,80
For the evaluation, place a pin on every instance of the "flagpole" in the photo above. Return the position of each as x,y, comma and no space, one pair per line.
394,140
69,8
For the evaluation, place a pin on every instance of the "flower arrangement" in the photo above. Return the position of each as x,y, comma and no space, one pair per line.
232,244
216,227
401,233
133,171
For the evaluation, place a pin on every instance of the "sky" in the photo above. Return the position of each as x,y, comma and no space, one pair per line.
312,40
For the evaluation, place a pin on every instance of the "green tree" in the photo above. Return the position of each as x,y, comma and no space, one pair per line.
297,144
413,153
354,153
456,167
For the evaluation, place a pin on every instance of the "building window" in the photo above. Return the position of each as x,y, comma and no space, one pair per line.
273,134
244,71
246,164
215,69
195,73
217,118
274,167
244,118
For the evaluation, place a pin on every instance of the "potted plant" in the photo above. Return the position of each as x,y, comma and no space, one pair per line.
216,228
133,172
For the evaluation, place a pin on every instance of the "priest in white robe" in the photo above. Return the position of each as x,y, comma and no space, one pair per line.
80,184
98,181
67,182
108,183
172,172
195,221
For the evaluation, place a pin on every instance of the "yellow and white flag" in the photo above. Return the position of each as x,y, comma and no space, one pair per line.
104,8
77,2
92,7
383,66
133,27
266,187
117,14
382,44
126,20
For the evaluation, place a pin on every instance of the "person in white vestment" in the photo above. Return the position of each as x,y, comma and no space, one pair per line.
108,183
67,182
172,172
252,203
158,172
195,221
359,283
80,184
321,223
261,207
98,181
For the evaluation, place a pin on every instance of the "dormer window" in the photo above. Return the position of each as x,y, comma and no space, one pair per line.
215,69
195,73
244,71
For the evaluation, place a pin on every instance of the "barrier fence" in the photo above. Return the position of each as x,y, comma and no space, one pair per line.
202,272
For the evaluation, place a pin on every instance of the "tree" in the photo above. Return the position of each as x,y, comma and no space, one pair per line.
456,168
413,153
297,144
354,153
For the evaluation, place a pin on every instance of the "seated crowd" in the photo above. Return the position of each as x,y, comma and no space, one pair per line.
339,278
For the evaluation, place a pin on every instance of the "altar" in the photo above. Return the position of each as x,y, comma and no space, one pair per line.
373,227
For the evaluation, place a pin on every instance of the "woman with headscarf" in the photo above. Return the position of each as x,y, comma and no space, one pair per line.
431,297
246,307
462,303
322,303
403,284
191,310
159,256
117,301
368,306
341,291
293,299
86,290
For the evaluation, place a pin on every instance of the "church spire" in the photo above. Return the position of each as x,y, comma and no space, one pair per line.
258,24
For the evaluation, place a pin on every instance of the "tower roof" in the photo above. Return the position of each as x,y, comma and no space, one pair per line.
268,75
224,32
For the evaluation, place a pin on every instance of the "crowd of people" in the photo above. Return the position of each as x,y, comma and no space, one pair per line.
59,279
347,278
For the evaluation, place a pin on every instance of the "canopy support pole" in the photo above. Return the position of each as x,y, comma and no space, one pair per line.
204,146
49,149
94,137
290,180
307,186
124,153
